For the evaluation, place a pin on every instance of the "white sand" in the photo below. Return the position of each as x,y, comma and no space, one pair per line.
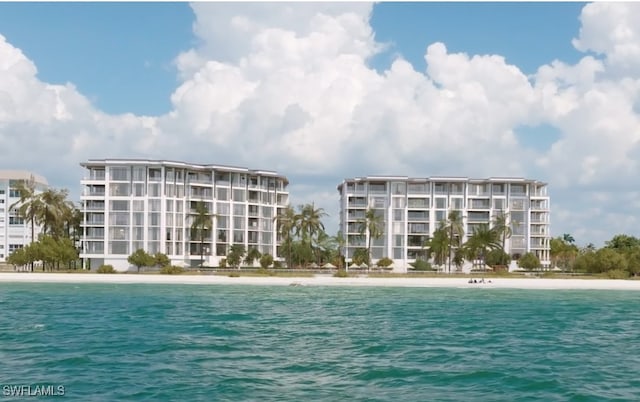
512,283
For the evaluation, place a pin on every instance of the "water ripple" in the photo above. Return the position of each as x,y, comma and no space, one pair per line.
230,343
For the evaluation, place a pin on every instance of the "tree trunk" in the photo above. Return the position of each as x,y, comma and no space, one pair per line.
33,234
201,247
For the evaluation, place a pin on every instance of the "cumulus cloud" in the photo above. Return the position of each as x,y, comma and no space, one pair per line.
289,86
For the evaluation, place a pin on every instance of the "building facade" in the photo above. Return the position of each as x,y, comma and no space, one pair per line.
15,231
150,205
412,209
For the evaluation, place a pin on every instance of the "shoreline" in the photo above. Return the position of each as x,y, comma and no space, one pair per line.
322,280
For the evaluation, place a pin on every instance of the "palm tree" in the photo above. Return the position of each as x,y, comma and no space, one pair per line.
438,245
287,224
53,208
310,222
502,227
371,227
252,255
568,238
455,228
202,221
28,206
483,240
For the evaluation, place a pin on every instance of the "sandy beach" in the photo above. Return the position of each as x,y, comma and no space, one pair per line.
321,280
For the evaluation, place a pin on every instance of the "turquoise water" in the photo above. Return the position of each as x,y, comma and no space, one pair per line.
249,343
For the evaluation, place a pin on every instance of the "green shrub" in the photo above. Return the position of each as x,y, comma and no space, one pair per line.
422,265
277,265
617,274
266,260
106,269
529,261
234,275
497,257
341,273
223,263
172,270
384,262
263,271
162,260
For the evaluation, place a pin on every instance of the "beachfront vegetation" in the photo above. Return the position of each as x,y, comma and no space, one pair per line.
371,227
172,270
55,247
106,269
201,225
141,258
529,261
266,260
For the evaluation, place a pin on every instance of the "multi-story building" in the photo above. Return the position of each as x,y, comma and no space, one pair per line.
150,205
412,209
15,232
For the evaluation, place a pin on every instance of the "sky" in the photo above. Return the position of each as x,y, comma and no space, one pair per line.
321,92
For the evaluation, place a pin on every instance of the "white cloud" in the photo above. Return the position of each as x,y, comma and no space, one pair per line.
288,86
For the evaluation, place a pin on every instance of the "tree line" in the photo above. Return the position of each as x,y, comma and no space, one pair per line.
60,221
618,258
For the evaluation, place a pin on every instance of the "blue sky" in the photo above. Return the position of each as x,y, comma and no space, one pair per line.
549,91
128,66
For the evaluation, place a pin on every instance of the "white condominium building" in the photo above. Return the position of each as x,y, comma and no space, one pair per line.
15,232
412,209
151,204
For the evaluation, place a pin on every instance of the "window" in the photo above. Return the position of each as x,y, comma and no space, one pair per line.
518,189
398,214
399,202
16,220
154,205
119,247
417,188
498,203
120,189
399,188
238,195
118,234
119,205
222,194
155,174
139,173
154,189
138,189
117,173
238,209
441,203
223,209
457,203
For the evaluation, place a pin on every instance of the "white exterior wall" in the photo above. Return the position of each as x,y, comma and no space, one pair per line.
14,235
111,235
413,207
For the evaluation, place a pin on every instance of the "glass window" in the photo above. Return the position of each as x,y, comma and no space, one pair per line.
119,205
119,173
154,205
154,189
120,189
119,247
222,194
238,195
139,173
441,203
238,209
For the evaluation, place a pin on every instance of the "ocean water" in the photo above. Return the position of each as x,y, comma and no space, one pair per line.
252,343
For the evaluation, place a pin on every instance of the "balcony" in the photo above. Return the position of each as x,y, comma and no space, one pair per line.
539,219
539,206
479,204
